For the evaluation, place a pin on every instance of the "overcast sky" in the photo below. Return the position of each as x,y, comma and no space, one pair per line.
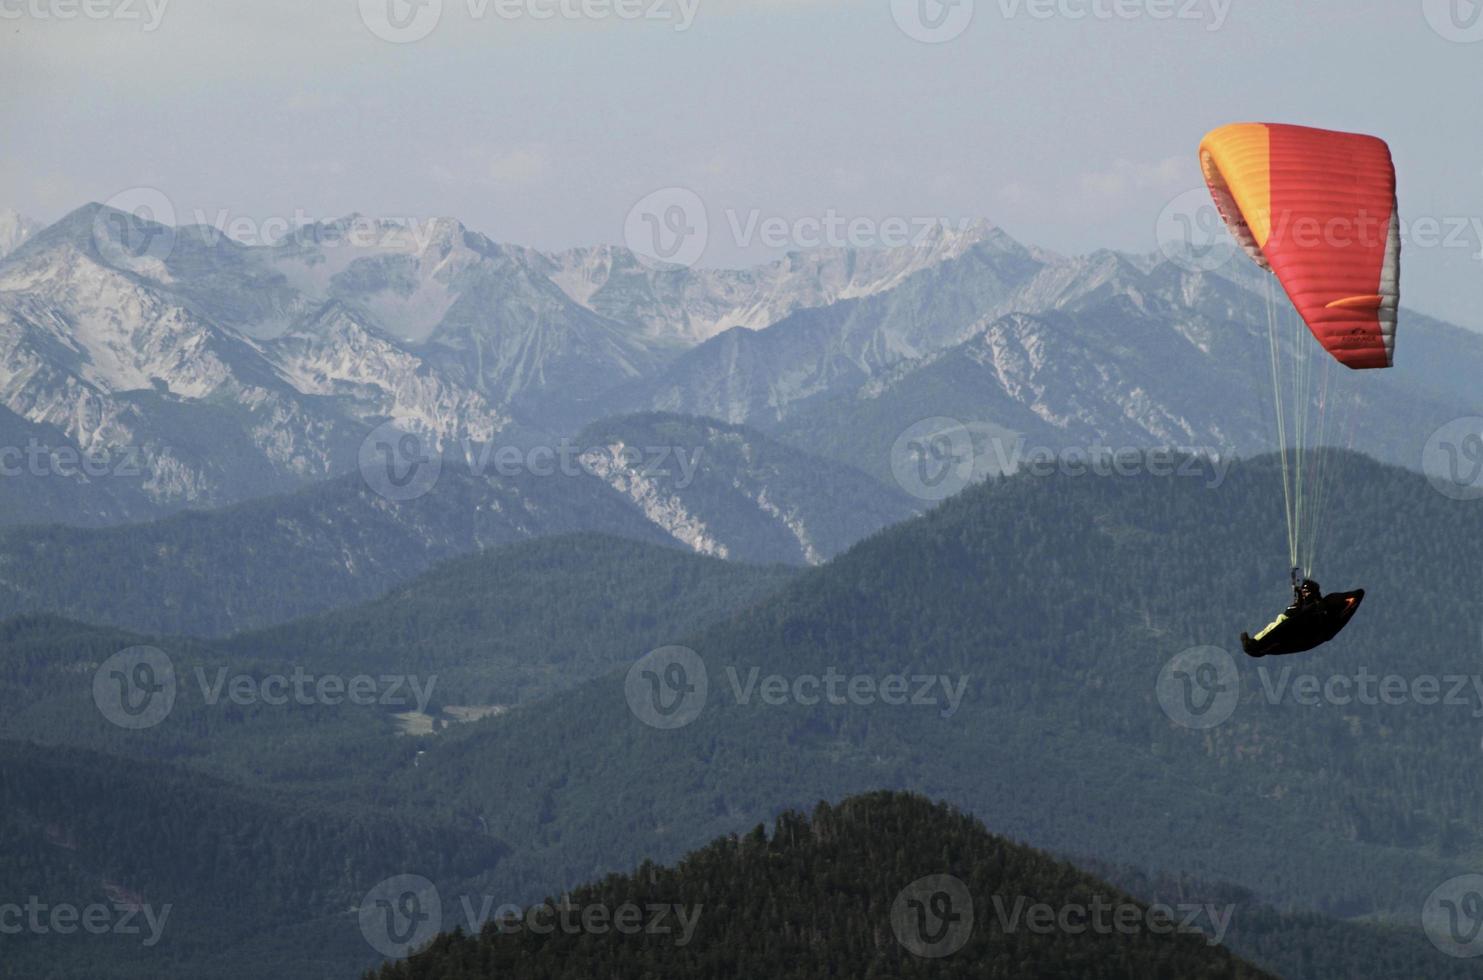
1073,124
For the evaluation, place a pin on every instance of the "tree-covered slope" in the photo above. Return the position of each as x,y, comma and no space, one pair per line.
277,558
515,623
485,632
886,885
189,875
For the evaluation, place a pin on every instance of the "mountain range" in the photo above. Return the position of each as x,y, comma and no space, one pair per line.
228,371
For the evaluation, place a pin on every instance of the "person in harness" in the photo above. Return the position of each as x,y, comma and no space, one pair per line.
1311,621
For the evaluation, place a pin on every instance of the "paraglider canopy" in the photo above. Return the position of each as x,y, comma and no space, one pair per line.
1318,210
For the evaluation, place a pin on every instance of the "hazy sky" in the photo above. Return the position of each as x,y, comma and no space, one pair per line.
1071,123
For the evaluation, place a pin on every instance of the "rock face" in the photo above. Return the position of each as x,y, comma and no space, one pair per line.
224,381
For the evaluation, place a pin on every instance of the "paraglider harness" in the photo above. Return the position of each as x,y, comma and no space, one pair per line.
1312,620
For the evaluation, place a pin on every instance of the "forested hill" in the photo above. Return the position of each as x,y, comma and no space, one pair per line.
884,885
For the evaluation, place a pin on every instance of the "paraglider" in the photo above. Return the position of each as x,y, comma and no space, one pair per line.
1311,621
1316,209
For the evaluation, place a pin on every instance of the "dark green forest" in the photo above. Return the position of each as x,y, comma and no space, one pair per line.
823,897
